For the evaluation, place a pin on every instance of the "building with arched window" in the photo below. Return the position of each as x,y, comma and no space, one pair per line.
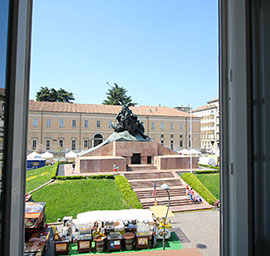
78,127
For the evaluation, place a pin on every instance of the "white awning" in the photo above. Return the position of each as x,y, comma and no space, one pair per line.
34,156
71,154
47,155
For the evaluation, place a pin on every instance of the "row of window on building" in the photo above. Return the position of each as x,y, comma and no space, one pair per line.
98,124
73,123
96,140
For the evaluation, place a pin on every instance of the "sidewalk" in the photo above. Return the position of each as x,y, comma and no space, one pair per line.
183,252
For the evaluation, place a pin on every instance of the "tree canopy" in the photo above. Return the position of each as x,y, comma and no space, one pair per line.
117,95
52,95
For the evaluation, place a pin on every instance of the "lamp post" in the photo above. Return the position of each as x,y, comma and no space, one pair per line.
190,139
165,187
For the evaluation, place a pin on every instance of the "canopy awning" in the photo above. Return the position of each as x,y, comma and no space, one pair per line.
160,211
71,154
47,155
34,156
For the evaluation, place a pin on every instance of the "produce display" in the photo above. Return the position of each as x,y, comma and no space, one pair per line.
104,234
36,233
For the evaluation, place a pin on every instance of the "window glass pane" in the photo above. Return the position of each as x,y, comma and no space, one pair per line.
35,122
86,123
153,125
73,145
61,123
162,126
3,58
48,123
110,124
98,124
73,123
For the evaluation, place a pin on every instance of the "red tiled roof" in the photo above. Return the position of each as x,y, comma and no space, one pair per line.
204,108
212,101
103,109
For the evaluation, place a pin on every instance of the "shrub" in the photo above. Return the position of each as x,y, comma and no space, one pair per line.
127,192
206,171
195,183
54,171
209,166
78,177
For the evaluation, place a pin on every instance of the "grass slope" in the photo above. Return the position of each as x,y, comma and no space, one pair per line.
70,197
211,181
37,177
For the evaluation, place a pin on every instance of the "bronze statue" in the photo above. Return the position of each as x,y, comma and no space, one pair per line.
127,121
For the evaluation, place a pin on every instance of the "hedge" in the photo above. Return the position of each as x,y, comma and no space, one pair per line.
209,166
206,171
54,171
127,192
195,183
78,177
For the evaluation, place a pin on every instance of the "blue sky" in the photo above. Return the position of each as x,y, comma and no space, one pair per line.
162,51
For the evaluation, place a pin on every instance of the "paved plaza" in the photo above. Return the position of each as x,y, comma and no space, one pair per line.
199,227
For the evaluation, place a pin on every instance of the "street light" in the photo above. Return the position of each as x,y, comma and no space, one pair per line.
165,187
190,139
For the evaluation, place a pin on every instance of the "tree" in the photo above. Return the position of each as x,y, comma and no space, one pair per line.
117,96
52,95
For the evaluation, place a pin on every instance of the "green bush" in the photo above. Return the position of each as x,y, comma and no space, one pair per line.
195,183
209,166
78,177
127,192
54,171
206,171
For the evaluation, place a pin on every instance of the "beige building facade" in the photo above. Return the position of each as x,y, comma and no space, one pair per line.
209,125
61,127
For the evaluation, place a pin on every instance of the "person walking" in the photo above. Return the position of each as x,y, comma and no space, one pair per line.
73,167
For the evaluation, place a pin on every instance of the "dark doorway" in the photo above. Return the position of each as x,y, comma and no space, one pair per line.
136,158
149,160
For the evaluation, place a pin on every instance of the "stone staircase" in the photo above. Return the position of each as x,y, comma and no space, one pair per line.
141,167
142,181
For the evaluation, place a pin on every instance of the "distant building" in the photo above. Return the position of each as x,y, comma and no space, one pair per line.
68,126
209,125
183,108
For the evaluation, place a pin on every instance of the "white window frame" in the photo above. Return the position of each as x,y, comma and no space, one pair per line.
35,122
172,126
73,123
110,124
162,126
87,142
61,123
48,123
86,123
36,141
48,144
60,143
73,144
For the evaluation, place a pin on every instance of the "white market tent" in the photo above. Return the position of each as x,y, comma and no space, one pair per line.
70,154
184,152
47,155
194,152
34,156
114,215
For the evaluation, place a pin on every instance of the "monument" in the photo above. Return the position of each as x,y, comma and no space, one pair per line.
127,146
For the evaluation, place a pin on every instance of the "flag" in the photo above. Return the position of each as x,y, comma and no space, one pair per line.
154,194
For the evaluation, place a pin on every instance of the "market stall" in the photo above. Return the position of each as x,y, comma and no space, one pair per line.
99,231
36,232
160,212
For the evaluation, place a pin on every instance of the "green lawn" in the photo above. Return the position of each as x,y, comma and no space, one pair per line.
211,181
70,197
37,177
